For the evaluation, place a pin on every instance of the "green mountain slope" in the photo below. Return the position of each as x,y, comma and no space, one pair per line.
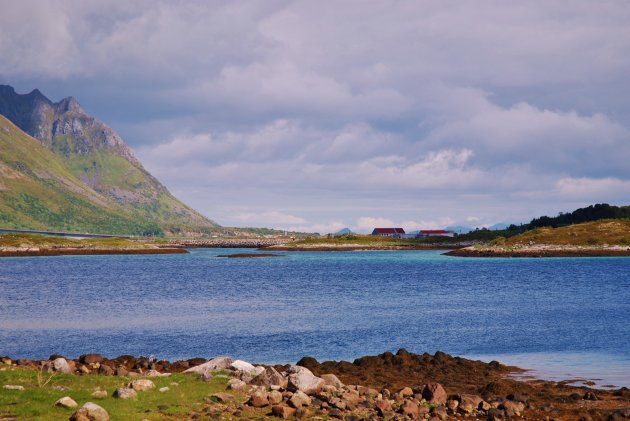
37,191
96,156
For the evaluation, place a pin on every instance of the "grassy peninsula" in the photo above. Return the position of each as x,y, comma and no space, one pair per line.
13,245
607,237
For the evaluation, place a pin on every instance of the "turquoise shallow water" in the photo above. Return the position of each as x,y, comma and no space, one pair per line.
563,316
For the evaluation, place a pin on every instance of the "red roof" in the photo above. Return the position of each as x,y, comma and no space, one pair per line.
388,231
429,232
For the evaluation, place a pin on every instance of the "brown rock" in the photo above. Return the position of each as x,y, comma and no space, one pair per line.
283,411
122,371
332,380
452,404
299,399
406,392
468,403
512,408
409,408
258,399
275,397
222,397
434,393
90,358
105,370
270,377
384,405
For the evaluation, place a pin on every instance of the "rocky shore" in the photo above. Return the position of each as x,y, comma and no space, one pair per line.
362,247
79,251
228,242
68,251
541,250
401,386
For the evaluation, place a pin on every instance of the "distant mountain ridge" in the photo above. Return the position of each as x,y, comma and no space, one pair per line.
98,157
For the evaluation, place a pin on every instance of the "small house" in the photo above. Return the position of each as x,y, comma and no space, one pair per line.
389,232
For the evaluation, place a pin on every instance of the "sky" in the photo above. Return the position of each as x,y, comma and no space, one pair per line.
314,116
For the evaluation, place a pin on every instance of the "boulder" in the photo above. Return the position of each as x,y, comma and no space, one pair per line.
237,385
105,370
302,379
99,394
512,408
283,411
218,363
90,412
125,393
274,397
155,373
406,392
222,397
270,377
61,365
434,393
91,358
332,380
468,403
141,385
299,399
244,366
66,402
122,371
259,398
409,408
164,389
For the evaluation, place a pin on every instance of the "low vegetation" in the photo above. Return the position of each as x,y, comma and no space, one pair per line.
185,395
47,241
603,232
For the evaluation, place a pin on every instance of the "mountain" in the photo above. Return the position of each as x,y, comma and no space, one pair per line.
93,161
460,229
344,231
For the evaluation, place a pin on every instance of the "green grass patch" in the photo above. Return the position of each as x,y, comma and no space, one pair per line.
42,390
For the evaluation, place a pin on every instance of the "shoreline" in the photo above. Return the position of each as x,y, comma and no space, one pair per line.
394,385
541,251
34,252
359,247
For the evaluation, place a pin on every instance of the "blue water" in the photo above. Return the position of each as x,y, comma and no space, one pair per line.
330,305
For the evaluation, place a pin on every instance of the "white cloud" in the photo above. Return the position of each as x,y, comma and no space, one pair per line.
411,110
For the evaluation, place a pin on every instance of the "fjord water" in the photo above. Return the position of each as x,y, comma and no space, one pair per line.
564,316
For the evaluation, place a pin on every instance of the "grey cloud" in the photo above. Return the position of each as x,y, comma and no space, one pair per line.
408,111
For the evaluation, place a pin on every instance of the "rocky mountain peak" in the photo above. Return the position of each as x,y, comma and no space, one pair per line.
69,104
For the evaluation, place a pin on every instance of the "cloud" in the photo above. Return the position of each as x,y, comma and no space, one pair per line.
327,112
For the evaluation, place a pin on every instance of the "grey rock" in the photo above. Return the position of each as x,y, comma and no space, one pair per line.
270,377
13,387
90,412
142,385
218,363
61,365
302,379
125,393
66,402
332,380
299,399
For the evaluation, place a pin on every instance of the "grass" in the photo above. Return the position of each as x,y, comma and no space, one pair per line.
46,241
367,240
36,402
597,233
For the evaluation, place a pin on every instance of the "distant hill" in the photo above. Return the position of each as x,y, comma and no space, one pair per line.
600,232
101,176
344,231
